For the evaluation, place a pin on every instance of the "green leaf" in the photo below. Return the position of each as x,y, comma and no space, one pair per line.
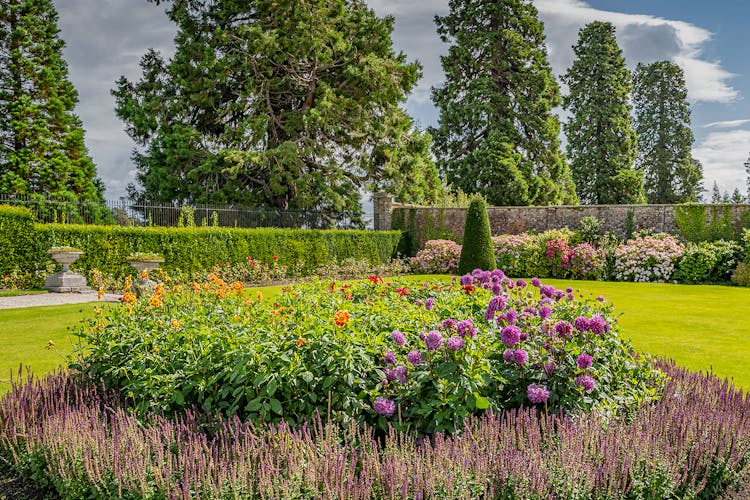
276,407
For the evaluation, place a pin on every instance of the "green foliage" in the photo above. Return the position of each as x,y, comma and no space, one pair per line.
662,115
300,111
477,251
497,135
197,249
601,139
589,230
18,240
741,275
42,151
694,224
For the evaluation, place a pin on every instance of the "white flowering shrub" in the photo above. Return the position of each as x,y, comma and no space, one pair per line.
648,258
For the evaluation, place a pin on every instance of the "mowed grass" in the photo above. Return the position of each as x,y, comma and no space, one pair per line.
700,327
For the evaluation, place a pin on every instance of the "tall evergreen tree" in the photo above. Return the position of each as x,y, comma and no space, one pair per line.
497,135
41,140
736,198
747,171
716,193
601,138
662,117
281,103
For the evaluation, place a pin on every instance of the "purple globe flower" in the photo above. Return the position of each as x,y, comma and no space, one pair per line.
498,273
536,282
569,289
547,291
521,283
510,335
545,312
401,374
511,315
523,336
581,323
434,340
584,361
390,375
390,358
564,329
601,298
449,324
586,382
497,289
467,279
464,326
455,343
384,406
489,313
414,357
498,302
520,357
549,368
429,303
398,337
598,326
537,394
508,355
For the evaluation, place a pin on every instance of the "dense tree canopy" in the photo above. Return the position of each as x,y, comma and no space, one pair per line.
42,151
497,135
662,116
285,103
601,139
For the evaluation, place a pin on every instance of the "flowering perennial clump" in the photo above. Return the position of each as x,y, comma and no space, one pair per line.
649,258
437,257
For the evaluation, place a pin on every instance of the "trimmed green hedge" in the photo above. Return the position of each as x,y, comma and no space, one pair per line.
196,249
18,240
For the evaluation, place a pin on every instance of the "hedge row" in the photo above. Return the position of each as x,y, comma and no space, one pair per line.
188,249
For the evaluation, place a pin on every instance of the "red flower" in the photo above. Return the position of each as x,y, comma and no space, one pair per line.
468,289
275,258
403,291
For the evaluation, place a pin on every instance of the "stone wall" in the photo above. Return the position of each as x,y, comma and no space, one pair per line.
427,223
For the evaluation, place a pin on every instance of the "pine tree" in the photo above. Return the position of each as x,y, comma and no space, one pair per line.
601,139
42,150
497,135
736,198
716,193
662,116
747,171
280,103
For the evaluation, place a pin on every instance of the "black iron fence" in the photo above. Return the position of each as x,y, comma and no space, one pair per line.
127,213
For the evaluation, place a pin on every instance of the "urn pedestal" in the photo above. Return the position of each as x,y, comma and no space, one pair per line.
66,280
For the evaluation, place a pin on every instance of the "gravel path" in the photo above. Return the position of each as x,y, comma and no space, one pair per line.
54,299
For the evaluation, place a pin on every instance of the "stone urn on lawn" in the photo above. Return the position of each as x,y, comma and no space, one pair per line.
66,280
143,263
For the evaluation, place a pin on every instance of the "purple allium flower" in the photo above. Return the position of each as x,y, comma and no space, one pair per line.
549,368
464,326
511,315
571,296
530,310
497,289
521,283
398,337
584,361
429,303
498,302
569,289
581,323
400,372
523,335
455,343
510,335
537,393
422,336
564,329
390,375
520,356
536,282
559,295
390,358
586,382
545,311
498,273
384,406
597,325
509,284
601,298
508,355
449,324
467,279
414,357
547,291
434,340
489,313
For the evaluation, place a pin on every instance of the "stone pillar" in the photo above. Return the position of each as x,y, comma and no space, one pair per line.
381,207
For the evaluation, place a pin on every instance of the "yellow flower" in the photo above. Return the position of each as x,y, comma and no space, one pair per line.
196,287
176,324
129,298
341,318
98,310
155,301
300,341
99,294
260,296
236,286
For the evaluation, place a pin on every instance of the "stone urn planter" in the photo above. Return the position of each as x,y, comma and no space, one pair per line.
66,280
143,263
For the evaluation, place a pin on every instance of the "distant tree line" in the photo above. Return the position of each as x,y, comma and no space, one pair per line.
299,105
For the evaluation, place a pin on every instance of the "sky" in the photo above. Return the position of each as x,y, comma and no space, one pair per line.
707,39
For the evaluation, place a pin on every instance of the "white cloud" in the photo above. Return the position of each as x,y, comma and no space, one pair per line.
643,38
723,155
727,124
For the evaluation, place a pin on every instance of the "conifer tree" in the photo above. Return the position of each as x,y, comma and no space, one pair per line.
601,139
662,116
497,135
281,103
747,171
42,150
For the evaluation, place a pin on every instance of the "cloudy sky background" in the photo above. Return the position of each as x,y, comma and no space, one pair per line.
106,39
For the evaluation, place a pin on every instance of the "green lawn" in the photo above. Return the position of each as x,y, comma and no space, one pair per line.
700,327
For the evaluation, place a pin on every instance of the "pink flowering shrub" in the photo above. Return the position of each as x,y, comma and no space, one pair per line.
437,257
586,262
511,252
648,259
558,256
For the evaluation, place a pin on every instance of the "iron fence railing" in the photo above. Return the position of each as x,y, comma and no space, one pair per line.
128,213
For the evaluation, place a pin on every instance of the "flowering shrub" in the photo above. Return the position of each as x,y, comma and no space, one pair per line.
558,256
437,257
511,252
586,262
435,353
648,258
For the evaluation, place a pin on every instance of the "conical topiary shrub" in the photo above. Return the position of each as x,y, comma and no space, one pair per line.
477,251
